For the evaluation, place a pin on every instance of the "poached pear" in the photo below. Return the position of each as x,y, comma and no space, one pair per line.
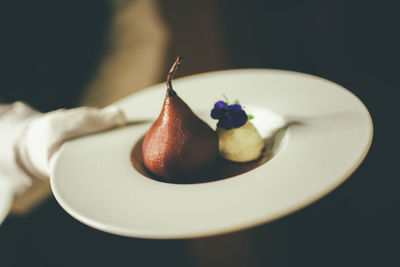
179,145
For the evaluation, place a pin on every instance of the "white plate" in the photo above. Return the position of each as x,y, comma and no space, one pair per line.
6,198
93,180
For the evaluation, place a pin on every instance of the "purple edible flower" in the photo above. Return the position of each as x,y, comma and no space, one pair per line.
229,116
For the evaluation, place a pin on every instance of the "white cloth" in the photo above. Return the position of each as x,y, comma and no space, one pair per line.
28,139
13,120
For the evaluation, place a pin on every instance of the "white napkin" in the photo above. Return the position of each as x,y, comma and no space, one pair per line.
13,120
28,139
41,139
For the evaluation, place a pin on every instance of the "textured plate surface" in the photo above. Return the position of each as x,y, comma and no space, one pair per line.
328,133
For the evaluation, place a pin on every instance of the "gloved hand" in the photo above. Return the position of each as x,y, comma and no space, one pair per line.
29,139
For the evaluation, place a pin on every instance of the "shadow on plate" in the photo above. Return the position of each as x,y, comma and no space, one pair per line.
222,169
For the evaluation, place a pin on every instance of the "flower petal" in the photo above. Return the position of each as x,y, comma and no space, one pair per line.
225,123
234,107
215,114
220,105
219,110
239,118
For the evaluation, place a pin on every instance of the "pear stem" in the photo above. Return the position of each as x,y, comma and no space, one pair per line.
171,74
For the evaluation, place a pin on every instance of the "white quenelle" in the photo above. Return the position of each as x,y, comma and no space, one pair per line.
241,144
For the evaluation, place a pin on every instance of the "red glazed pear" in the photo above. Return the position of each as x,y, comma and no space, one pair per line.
179,145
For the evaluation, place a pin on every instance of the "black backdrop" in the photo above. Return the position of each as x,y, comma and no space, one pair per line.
354,43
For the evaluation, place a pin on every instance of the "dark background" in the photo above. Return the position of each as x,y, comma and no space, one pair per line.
354,43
